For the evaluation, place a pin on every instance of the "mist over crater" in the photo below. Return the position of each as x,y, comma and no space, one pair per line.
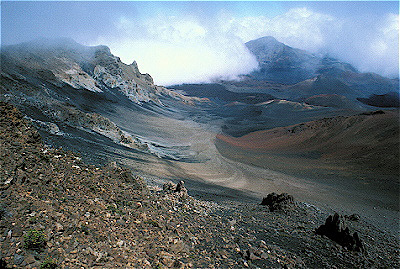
202,42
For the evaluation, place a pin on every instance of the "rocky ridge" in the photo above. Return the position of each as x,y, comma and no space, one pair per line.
61,85
65,62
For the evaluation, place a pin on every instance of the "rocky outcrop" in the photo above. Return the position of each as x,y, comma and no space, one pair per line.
335,228
63,62
178,190
111,72
276,201
75,77
91,122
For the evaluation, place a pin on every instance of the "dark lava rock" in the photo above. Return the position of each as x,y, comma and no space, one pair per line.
371,113
335,229
180,186
250,254
179,189
3,264
276,201
169,187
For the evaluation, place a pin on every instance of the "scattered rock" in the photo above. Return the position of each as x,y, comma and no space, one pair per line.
29,259
335,229
178,264
17,232
120,243
166,258
276,201
131,227
59,227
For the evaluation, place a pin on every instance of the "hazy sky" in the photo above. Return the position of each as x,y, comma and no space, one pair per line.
198,41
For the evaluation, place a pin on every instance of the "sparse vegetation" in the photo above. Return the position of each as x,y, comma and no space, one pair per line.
32,220
49,264
34,239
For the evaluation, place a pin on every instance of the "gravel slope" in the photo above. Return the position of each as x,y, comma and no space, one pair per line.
103,217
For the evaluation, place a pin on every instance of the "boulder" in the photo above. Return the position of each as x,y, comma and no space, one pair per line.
276,201
3,263
335,228
181,189
178,190
169,187
251,254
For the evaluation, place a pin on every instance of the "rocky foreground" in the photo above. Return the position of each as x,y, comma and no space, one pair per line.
58,212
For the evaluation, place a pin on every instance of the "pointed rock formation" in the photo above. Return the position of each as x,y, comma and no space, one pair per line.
336,229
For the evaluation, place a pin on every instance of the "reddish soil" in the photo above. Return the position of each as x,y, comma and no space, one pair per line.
368,142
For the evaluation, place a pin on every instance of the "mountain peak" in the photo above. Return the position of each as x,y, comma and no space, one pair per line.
264,43
102,49
264,39
281,63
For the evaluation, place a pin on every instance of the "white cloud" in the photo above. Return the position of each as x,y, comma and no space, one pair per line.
299,27
384,48
181,50
188,49
175,29
370,45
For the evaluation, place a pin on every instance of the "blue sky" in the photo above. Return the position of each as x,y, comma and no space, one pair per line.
198,41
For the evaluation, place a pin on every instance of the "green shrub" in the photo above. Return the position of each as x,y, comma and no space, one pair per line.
34,239
48,264
32,220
